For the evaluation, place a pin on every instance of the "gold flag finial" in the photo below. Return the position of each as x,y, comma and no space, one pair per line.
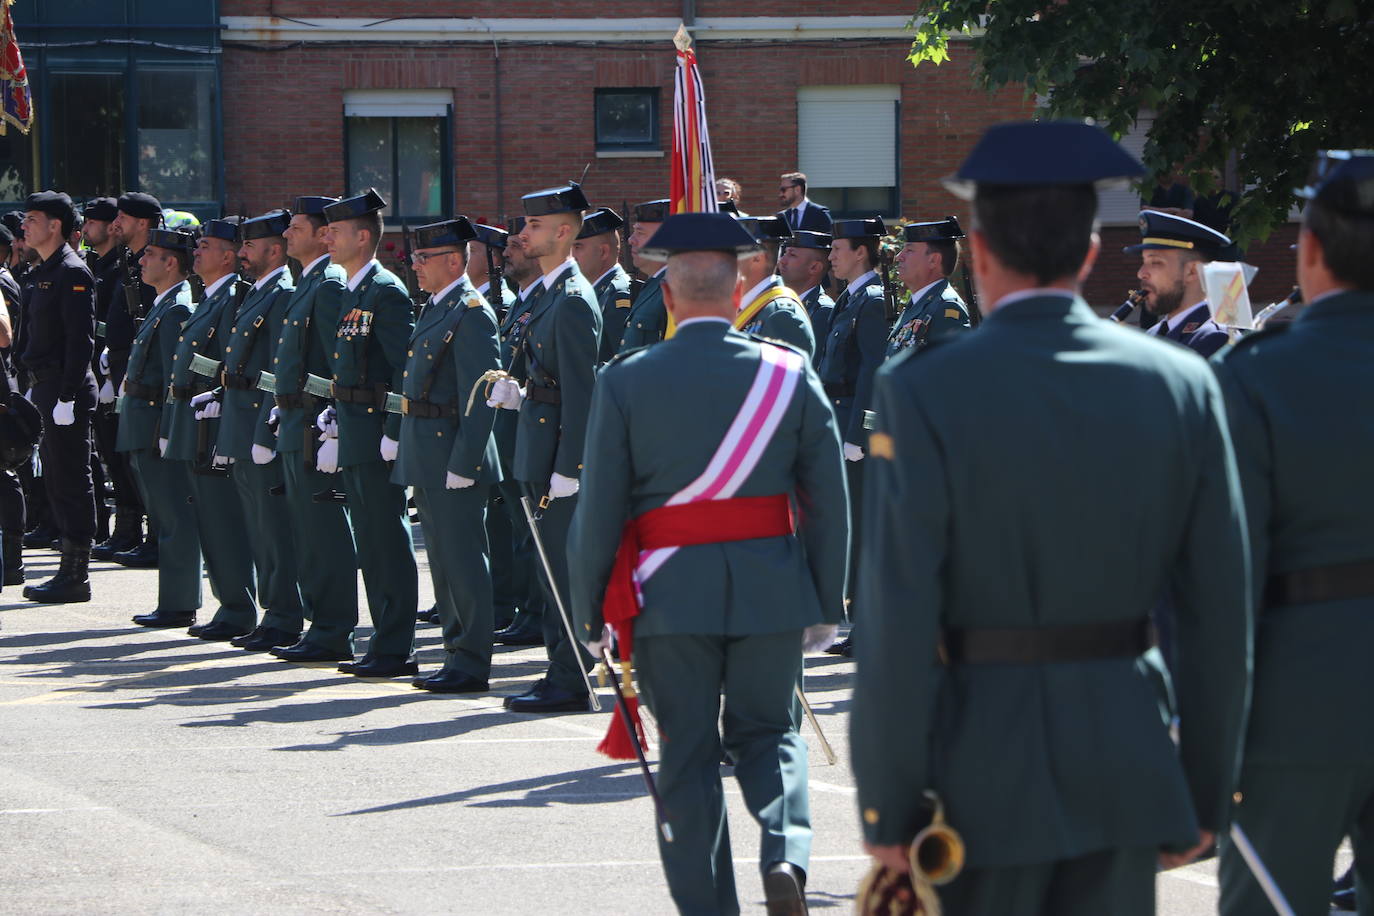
682,39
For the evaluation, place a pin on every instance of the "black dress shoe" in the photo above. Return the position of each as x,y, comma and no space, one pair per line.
264,638
381,667
450,682
525,631
305,652
163,620
144,556
216,632
431,615
844,647
547,698
784,890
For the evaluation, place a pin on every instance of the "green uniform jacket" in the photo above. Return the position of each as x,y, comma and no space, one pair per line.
852,351
370,351
819,307
303,345
613,294
507,422
463,445
560,350
507,299
1018,518
648,318
150,363
639,453
938,312
783,319
199,335
247,352
1303,421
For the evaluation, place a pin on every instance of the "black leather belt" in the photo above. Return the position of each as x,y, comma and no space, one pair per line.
238,382
140,392
1337,582
543,395
186,392
371,396
295,401
839,390
428,410
1046,645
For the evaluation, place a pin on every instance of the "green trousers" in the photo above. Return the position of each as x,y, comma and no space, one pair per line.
1296,816
683,679
325,557
564,657
456,538
1116,881
224,542
166,489
854,475
386,556
274,552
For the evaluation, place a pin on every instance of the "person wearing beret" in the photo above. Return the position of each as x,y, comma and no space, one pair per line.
803,264
647,321
224,540
597,251
1298,398
368,360
304,338
447,452
245,333
527,625
733,588
851,353
1005,664
166,482
1173,250
59,300
560,349
799,211
927,260
768,307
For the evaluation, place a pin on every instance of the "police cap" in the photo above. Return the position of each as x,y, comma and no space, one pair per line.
457,231
267,226
1342,180
684,232
1026,154
599,222
140,206
353,207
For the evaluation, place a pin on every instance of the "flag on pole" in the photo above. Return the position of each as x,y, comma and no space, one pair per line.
16,103
693,187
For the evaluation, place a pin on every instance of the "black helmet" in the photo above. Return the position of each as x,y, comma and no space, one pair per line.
21,426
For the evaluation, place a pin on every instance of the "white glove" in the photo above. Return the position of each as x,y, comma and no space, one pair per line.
205,406
222,461
852,452
274,419
819,636
262,454
561,487
328,422
107,395
105,363
121,387
28,395
506,393
595,647
162,447
64,413
389,448
457,482
327,461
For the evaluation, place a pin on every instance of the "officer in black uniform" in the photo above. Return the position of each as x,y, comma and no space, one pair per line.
59,301
11,489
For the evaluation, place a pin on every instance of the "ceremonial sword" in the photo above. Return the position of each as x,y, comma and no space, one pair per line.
816,726
623,706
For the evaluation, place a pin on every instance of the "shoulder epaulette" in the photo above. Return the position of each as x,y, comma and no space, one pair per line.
623,354
474,301
1269,330
759,338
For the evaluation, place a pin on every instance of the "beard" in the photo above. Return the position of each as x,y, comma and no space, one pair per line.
1166,301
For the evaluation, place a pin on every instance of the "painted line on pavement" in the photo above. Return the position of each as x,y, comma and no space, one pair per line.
1193,877
537,866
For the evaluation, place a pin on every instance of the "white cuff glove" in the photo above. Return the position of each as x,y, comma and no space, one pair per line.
561,487
222,461
64,413
818,637
457,482
274,419
262,454
389,448
107,394
205,405
852,452
162,447
327,461
328,422
104,363
596,647
506,393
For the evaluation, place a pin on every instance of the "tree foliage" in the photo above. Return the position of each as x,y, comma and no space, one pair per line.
1269,82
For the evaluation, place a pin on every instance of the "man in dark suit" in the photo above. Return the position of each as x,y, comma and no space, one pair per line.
1007,576
799,211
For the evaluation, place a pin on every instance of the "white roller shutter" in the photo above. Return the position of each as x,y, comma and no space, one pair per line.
397,103
847,136
1121,206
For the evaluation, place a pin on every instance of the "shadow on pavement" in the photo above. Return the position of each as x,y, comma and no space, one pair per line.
47,639
589,787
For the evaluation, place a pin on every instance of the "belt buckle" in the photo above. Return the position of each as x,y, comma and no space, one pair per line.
405,406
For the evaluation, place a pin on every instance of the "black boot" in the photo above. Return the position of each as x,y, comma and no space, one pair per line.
144,556
128,534
72,582
40,536
14,559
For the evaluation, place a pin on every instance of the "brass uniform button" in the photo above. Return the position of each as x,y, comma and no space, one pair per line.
870,815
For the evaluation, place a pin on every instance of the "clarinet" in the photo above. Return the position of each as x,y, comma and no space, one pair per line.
1134,299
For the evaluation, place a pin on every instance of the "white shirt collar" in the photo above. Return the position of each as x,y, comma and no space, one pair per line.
270,278
748,298
215,287
315,263
527,291
357,278
702,320
803,296
610,270
1020,294
916,296
482,290
861,282
553,274
447,289
661,271
171,292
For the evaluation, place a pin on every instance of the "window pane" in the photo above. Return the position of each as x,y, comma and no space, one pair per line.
175,161
369,156
870,200
625,118
16,165
421,177
87,119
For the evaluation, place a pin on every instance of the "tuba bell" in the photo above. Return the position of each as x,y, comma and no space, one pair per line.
936,856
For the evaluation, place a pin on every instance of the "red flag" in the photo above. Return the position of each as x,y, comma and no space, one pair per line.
16,103
694,176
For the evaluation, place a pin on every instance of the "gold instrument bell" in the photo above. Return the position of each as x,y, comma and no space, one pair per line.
936,856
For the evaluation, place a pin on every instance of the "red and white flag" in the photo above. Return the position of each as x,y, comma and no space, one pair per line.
693,188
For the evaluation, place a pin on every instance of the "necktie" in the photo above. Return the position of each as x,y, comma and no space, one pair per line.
794,217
